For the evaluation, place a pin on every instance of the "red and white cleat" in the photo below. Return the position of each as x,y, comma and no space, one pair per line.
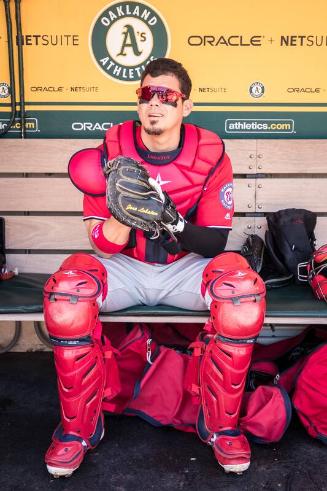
232,450
66,452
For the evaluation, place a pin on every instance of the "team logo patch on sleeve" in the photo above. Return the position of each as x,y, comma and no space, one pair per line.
226,195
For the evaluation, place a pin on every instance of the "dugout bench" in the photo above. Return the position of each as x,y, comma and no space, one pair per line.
42,210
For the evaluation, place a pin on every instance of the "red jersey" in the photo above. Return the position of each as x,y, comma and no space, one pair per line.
183,173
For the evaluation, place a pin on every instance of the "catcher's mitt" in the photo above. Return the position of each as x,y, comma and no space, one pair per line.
130,197
271,270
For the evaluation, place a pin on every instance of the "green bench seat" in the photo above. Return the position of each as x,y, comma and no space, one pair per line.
21,299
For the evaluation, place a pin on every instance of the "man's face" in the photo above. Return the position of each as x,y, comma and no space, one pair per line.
157,117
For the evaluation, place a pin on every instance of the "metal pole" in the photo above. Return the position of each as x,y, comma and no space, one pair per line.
20,67
11,69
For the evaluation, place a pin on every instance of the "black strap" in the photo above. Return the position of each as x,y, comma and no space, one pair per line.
2,243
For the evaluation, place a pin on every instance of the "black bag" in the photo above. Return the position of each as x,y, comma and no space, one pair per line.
290,238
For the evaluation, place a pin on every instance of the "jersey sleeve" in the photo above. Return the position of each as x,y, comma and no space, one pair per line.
95,207
216,206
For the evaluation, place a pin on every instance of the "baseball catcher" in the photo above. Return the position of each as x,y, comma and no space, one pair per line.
158,208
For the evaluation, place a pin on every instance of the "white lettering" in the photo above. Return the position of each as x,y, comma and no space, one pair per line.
145,14
104,61
88,126
153,21
112,15
105,21
117,70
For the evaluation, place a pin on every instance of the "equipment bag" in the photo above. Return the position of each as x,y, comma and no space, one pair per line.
266,413
299,366
156,383
126,356
310,394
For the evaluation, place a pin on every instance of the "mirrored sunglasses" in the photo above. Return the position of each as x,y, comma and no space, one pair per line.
165,95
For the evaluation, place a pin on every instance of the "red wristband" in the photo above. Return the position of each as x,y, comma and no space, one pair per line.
104,244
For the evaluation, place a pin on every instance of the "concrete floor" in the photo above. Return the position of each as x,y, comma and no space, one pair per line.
133,455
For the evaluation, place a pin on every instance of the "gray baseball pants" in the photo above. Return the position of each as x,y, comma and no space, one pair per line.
132,282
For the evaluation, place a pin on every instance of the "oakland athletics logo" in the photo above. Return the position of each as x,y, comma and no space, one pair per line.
126,36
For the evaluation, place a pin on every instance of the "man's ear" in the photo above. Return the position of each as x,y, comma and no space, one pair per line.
138,107
187,107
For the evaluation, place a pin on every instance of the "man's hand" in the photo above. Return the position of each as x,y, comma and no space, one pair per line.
171,219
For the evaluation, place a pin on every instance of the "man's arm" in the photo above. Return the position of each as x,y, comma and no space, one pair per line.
206,241
113,231
208,233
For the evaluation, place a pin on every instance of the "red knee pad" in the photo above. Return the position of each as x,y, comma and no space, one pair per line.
90,264
71,297
225,262
236,297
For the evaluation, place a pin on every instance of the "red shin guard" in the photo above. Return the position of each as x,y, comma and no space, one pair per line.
237,306
222,373
71,308
81,380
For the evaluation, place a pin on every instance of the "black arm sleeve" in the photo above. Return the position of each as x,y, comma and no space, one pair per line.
207,241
